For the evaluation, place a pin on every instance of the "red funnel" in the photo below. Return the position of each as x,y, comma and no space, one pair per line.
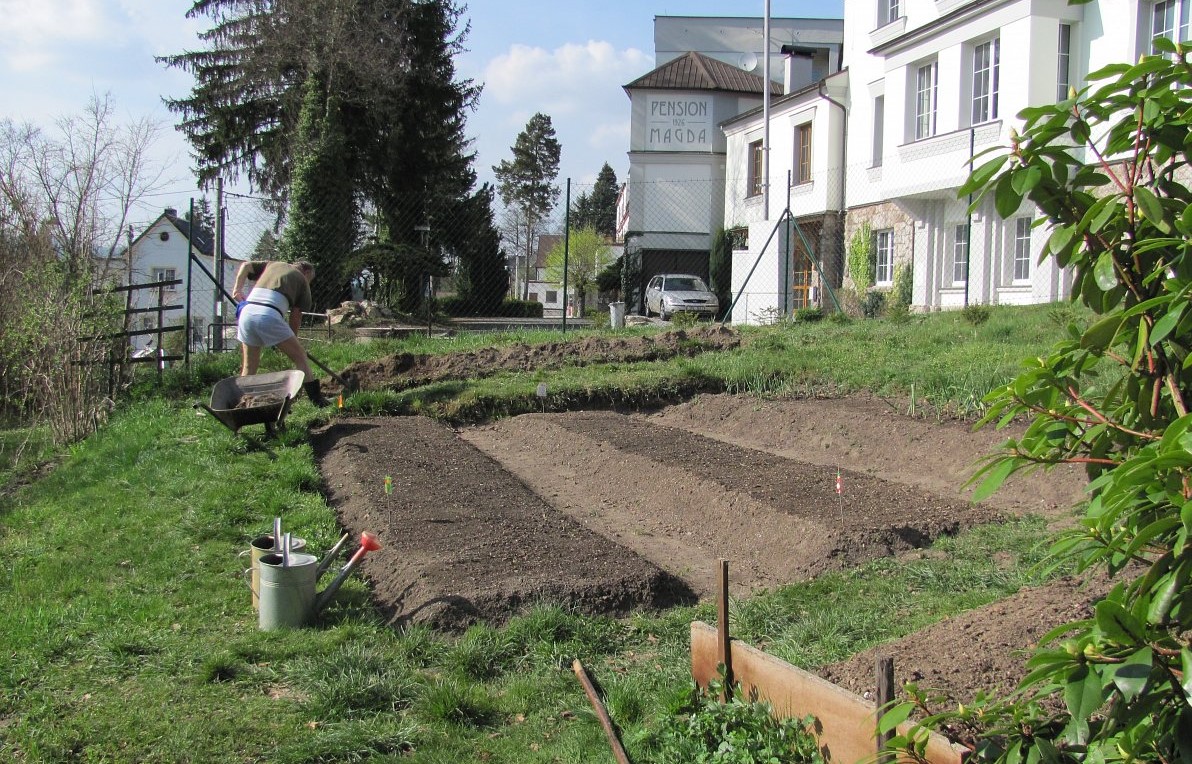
369,542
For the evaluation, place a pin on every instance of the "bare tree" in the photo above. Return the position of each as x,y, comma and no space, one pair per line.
65,199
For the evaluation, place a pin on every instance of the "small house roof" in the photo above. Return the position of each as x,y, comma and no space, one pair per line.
695,71
203,241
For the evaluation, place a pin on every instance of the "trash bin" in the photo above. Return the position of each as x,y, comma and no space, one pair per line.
616,314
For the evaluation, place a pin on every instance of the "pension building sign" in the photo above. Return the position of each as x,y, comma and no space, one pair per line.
678,123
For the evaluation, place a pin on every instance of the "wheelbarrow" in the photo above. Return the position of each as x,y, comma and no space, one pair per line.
256,399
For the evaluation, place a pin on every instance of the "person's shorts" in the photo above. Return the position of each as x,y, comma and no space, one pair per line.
261,323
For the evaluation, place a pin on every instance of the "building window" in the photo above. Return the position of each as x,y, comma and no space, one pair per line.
883,245
926,82
985,80
533,297
1022,249
887,11
960,250
1063,79
1169,17
163,274
755,168
879,129
552,297
803,169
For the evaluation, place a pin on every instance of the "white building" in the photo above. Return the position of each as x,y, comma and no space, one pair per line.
160,253
709,71
927,84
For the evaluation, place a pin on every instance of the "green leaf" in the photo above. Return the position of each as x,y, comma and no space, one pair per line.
1005,199
1151,209
895,716
1131,677
994,478
1103,272
1102,334
1024,180
1168,322
1082,697
982,175
1061,237
1117,624
1186,665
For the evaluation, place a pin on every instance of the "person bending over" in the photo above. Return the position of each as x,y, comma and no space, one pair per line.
271,314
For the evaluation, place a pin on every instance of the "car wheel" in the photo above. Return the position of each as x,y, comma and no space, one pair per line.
662,313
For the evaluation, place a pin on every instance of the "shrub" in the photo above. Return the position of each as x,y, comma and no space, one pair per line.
809,314
872,304
684,319
862,259
975,314
738,731
904,285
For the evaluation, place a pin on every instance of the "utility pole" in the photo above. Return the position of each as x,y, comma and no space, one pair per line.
218,262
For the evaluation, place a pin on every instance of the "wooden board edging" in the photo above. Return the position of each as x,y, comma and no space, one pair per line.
848,723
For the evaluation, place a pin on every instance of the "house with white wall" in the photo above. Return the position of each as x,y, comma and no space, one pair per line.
926,85
160,253
709,71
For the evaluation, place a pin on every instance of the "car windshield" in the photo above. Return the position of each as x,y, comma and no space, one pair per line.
684,284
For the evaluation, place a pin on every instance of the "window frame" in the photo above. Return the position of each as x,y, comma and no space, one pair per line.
754,180
164,273
883,253
960,252
1180,16
803,147
926,99
1063,77
986,81
888,11
1021,264
879,129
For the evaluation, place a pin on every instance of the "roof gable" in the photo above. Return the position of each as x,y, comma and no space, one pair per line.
695,71
203,241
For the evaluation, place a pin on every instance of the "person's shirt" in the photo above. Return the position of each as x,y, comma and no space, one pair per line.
281,277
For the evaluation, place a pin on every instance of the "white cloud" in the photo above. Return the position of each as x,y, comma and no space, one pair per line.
578,85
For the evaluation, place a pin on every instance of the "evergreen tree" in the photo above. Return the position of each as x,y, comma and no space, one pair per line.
483,276
266,248
720,268
604,203
323,225
204,218
582,213
527,182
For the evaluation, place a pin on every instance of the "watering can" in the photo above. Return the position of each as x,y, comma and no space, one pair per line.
288,581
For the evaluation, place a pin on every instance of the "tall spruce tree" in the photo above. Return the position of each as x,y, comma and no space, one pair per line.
323,225
527,182
604,203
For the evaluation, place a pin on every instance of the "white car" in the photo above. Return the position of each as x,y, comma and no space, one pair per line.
670,293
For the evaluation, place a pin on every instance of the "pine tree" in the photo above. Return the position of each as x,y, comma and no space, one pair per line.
527,182
323,225
604,203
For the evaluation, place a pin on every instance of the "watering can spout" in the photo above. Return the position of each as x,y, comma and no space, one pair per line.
368,543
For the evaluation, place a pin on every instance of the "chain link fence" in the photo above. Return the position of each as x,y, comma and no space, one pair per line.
901,241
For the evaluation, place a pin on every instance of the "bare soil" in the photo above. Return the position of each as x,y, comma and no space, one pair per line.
401,371
606,511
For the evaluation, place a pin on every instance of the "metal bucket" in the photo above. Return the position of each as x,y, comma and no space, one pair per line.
261,546
287,591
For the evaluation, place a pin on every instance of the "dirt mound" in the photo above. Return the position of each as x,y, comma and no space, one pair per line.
684,500
463,540
983,649
405,370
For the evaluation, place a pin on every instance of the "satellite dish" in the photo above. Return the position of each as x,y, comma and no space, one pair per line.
747,61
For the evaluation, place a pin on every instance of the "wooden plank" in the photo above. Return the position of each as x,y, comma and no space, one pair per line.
135,287
885,696
724,641
848,723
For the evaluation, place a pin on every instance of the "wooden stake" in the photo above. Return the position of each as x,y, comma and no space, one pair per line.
726,650
605,720
885,695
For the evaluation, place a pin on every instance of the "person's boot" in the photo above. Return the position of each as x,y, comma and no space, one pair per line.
315,394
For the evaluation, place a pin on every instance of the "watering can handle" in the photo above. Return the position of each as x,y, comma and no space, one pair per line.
247,575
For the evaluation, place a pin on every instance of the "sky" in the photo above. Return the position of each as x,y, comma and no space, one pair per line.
568,60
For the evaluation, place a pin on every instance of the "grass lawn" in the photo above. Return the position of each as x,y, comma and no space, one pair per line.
127,633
